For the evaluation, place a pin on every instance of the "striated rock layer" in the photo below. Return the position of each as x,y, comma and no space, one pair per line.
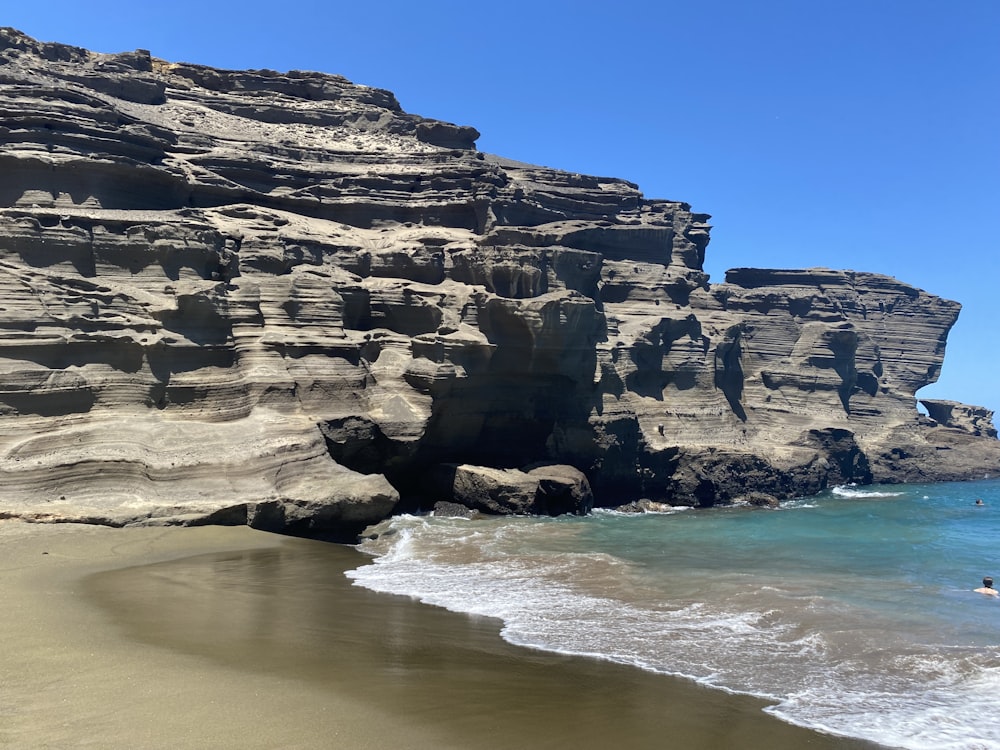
278,299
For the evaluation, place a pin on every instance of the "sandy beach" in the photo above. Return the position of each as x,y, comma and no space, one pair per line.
229,638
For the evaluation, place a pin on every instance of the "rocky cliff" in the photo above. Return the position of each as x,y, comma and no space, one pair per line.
278,299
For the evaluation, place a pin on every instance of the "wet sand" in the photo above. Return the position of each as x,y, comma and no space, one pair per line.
230,638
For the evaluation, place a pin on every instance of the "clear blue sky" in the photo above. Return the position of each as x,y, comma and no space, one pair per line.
860,134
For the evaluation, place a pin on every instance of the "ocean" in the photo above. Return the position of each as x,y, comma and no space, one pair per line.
852,612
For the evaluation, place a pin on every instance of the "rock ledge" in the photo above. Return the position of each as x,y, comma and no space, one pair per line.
278,299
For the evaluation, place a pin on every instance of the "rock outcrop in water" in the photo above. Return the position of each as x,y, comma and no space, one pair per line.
278,299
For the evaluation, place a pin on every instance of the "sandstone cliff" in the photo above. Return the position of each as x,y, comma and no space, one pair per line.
278,299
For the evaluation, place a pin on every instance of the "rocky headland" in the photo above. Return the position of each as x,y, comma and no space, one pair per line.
278,299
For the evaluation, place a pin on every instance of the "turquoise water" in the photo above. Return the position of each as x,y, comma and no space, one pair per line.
852,611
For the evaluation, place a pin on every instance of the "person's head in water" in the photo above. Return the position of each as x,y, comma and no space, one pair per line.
987,588
979,502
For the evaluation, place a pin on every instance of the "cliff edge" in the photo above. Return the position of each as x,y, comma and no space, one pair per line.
278,299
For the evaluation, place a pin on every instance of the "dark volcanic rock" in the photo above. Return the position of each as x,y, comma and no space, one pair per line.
278,299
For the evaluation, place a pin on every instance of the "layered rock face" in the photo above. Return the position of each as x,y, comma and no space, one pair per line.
278,299
973,419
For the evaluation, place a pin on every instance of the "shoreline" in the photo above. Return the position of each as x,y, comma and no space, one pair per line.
229,637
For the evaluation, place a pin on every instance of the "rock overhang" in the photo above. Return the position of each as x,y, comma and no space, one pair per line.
290,263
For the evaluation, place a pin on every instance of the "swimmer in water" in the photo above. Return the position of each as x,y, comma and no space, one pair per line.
987,588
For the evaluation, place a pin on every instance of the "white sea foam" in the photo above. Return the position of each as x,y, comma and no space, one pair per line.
550,591
632,514
949,712
538,611
865,493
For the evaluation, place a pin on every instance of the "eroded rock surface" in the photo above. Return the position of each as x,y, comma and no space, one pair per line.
278,299
975,420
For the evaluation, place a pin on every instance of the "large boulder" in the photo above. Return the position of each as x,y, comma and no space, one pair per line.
542,490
